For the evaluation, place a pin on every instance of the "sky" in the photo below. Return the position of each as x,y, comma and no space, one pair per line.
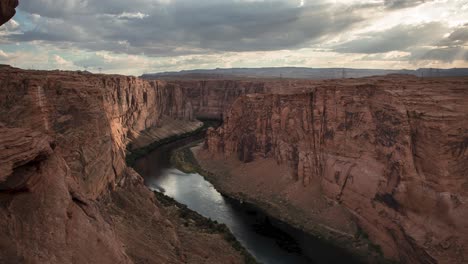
144,36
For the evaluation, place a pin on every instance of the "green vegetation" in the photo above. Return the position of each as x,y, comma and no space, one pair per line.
206,225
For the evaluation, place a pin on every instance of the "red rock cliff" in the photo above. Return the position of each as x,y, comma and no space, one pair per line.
66,195
391,150
91,115
206,99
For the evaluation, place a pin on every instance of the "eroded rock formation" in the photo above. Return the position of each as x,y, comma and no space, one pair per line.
66,194
392,150
206,99
7,10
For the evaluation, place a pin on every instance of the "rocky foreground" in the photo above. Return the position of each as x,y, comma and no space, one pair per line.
385,158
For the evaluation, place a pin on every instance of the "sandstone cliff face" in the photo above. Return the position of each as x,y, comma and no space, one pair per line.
66,195
205,99
392,150
90,118
93,117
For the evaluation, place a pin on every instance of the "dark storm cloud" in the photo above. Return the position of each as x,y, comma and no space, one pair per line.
461,34
399,4
184,27
66,8
398,38
458,37
447,49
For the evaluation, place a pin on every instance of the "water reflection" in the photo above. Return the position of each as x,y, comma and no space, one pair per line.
200,195
267,240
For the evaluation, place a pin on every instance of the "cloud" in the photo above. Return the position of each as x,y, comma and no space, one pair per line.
400,4
3,55
458,37
61,62
9,27
398,38
157,28
136,15
54,8
158,35
449,49
52,30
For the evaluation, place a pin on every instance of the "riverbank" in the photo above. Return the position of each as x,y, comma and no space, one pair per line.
206,237
222,177
197,223
153,138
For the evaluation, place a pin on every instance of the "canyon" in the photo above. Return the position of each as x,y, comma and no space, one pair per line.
66,193
375,165
381,156
381,159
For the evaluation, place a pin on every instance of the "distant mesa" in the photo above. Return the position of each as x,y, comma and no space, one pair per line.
302,73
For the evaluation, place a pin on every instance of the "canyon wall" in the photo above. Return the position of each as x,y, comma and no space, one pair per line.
89,117
63,143
93,117
206,99
391,150
66,194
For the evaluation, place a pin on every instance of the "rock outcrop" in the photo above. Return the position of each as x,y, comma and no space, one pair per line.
7,10
206,99
21,149
392,150
66,194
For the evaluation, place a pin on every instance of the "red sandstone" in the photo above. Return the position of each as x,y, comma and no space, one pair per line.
392,151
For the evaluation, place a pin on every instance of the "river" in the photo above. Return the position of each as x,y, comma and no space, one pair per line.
268,240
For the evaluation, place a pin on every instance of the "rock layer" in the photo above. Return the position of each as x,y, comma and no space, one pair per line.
391,150
91,115
206,99
66,194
